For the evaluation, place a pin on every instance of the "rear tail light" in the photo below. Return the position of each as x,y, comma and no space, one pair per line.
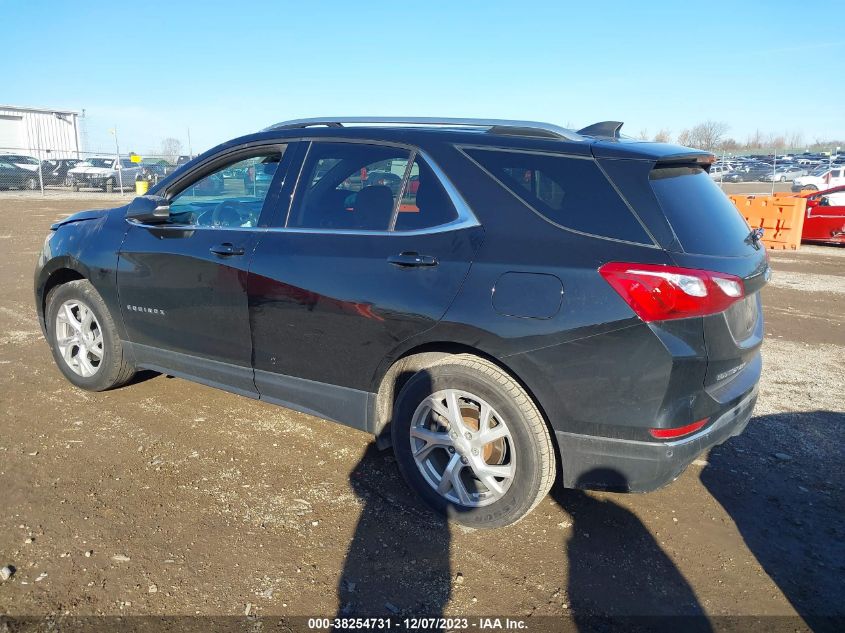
660,293
670,434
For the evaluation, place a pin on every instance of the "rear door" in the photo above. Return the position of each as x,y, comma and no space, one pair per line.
357,264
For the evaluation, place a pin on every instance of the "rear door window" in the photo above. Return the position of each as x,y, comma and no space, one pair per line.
704,219
424,202
570,192
349,186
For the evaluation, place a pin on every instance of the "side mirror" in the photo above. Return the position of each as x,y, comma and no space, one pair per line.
148,209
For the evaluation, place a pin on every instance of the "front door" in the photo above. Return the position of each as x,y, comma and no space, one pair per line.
372,252
182,283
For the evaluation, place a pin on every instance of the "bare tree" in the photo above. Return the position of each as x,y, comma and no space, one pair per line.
643,135
663,136
775,141
708,134
171,148
755,140
685,138
795,139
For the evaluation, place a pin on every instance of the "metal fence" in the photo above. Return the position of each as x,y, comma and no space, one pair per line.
52,172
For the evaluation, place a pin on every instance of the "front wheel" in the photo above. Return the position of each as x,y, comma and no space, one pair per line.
470,441
109,186
83,338
31,183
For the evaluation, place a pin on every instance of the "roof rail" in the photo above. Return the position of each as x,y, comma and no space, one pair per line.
494,126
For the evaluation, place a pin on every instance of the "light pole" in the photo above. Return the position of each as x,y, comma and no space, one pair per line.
119,166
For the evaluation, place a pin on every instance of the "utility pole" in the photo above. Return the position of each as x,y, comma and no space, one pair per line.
190,149
119,166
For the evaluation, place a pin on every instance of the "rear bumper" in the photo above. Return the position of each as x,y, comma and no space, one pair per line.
634,466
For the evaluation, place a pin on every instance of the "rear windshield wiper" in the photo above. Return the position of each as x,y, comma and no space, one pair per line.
754,236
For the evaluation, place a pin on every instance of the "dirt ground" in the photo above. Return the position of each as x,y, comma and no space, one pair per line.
167,497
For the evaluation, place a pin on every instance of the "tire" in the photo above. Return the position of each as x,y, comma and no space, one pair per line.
809,188
110,186
31,183
114,368
75,187
525,451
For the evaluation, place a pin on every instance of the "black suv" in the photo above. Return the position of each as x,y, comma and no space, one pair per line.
526,298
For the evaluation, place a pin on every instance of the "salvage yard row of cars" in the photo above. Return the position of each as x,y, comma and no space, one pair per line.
806,171
108,173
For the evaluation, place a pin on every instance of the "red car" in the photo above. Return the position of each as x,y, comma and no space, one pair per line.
824,219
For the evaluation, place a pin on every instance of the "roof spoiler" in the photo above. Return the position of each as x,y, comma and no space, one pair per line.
605,129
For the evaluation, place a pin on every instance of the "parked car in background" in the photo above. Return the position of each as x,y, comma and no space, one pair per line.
20,160
756,171
824,219
180,160
14,177
547,295
822,178
104,172
55,171
718,172
784,173
153,172
258,176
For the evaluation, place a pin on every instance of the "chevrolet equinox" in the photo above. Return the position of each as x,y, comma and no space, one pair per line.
500,301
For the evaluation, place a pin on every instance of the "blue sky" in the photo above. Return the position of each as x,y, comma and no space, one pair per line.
155,69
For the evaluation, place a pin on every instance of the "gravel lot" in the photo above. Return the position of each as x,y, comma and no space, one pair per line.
167,497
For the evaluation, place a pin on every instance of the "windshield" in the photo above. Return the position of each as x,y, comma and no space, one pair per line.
98,162
821,171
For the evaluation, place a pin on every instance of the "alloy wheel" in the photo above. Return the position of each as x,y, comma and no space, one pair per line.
463,448
79,338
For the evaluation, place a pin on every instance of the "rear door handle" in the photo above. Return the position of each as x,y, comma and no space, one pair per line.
408,260
226,249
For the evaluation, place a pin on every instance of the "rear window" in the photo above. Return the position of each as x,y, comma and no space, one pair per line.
704,219
571,192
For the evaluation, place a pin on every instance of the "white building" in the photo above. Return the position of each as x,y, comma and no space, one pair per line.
40,132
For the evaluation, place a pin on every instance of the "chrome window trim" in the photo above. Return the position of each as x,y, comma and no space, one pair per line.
466,218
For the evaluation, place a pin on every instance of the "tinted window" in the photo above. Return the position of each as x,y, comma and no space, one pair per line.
704,219
349,186
231,196
571,192
424,203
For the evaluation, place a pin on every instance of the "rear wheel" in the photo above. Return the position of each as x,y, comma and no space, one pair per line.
84,339
31,183
471,442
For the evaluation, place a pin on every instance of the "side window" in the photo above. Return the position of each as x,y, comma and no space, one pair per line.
348,186
424,202
571,192
230,196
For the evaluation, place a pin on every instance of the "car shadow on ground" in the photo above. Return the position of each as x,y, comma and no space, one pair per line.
619,578
398,559
781,482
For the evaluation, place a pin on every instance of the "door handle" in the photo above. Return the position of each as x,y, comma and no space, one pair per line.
226,249
408,260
